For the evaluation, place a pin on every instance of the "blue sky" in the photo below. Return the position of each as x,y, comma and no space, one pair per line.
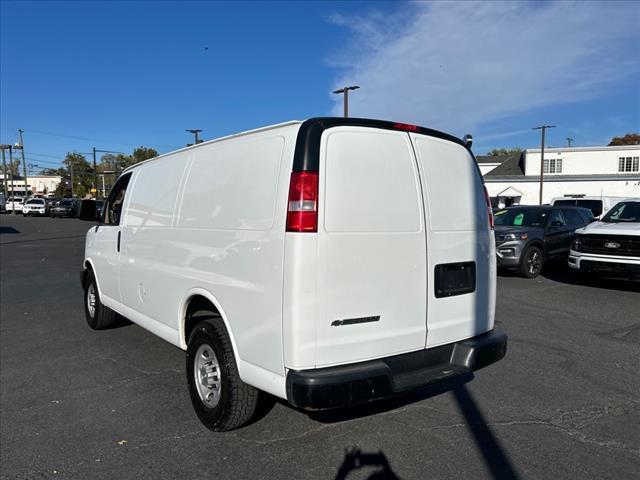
117,75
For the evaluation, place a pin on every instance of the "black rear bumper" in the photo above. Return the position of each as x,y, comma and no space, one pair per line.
345,385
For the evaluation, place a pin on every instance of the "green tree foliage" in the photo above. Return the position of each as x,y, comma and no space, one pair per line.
498,152
628,139
80,172
13,168
117,163
110,167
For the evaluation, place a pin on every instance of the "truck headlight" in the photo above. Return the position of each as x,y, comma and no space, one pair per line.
575,245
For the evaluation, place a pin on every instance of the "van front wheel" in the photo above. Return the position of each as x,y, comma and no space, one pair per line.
220,398
98,316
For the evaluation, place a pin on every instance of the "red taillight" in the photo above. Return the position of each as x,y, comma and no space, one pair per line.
406,127
302,210
489,210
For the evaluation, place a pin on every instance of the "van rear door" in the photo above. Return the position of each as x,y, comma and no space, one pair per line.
371,247
461,255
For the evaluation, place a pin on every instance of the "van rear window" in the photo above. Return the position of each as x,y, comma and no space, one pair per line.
594,205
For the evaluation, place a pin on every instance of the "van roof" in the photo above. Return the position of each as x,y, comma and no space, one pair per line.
306,153
219,139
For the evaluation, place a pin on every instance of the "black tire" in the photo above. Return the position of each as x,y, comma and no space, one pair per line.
102,317
531,262
237,402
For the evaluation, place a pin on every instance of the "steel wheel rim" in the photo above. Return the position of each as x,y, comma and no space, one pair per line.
534,262
206,376
91,300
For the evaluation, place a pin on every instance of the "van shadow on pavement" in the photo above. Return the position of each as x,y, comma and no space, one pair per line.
489,446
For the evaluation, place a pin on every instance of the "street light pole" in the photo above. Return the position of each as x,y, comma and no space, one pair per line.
569,140
543,128
345,97
195,132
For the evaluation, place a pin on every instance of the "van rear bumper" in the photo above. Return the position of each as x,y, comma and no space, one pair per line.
345,385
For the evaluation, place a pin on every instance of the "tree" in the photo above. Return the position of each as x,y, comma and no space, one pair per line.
498,152
119,162
82,176
13,168
628,139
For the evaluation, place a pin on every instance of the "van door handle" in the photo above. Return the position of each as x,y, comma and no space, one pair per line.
119,232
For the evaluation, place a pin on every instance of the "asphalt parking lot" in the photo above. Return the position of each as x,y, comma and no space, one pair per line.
81,404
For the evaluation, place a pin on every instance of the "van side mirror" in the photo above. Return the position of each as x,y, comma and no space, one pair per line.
87,210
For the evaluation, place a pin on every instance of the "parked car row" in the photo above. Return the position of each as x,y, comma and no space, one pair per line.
54,207
529,236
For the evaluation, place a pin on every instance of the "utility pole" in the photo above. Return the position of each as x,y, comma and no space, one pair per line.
195,132
71,171
4,172
345,97
24,163
543,128
569,140
95,168
94,185
4,166
11,173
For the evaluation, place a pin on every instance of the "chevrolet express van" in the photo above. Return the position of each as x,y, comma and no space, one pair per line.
328,262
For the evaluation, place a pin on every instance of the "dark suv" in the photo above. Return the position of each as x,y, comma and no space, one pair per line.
527,236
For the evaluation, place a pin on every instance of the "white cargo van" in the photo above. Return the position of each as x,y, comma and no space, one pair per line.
599,206
328,262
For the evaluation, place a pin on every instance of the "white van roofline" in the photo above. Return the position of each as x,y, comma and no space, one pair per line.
215,140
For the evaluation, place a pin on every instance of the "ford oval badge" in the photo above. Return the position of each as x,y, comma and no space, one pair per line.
612,245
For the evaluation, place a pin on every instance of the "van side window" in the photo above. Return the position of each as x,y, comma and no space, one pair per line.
115,202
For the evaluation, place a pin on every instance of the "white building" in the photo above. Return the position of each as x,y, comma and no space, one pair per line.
588,171
36,184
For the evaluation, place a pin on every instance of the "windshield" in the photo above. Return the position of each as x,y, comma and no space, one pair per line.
35,202
66,203
525,217
623,212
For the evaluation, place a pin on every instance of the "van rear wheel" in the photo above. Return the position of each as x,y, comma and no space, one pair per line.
98,316
220,398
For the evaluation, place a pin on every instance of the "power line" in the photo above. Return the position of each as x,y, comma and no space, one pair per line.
99,140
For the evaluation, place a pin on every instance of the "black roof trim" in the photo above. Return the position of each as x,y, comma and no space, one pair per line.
307,153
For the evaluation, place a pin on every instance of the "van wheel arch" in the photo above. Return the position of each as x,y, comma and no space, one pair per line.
88,267
195,304
202,301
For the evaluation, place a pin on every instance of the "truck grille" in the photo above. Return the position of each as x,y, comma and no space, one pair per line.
618,245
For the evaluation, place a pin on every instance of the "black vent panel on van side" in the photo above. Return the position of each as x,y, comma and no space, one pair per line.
454,279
